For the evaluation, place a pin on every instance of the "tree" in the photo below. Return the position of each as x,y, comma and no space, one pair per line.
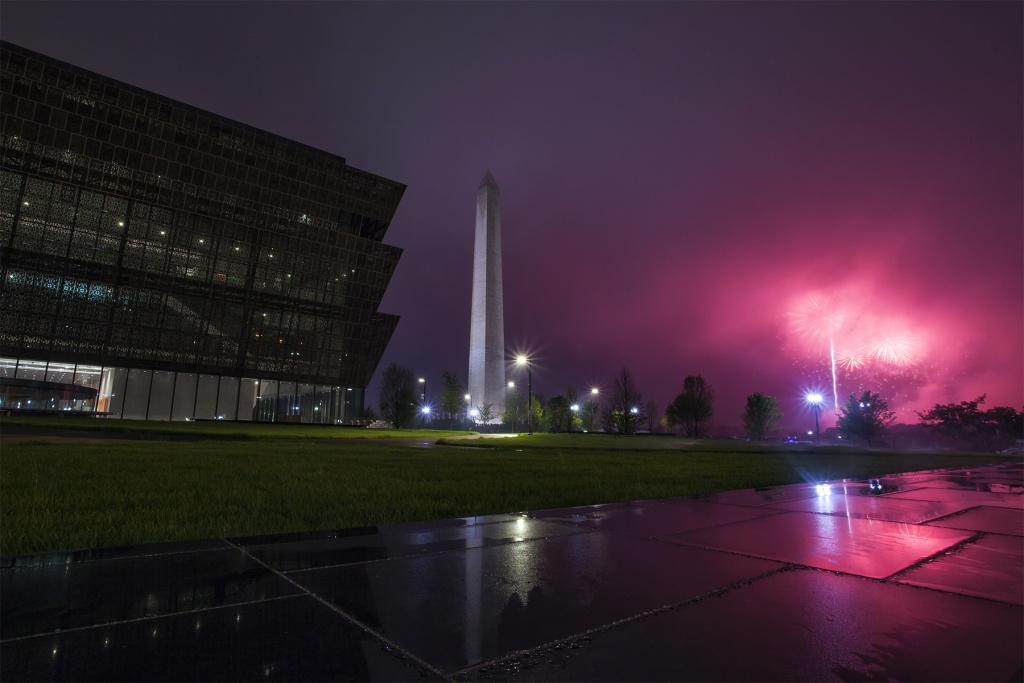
397,397
557,414
669,419
486,413
693,408
536,417
571,399
1006,423
515,410
957,421
588,414
965,423
651,415
865,418
622,410
761,416
452,393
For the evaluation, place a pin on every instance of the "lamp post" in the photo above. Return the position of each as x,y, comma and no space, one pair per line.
815,400
523,360
575,408
515,408
423,391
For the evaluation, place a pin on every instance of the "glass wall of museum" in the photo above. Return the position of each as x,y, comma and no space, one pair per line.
34,386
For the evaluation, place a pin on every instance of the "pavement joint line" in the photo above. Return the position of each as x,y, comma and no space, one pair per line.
663,537
957,513
334,608
713,593
240,540
945,552
430,553
152,617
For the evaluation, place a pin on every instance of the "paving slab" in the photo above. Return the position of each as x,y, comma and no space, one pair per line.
965,499
871,548
802,625
988,485
649,521
459,609
991,567
871,507
984,518
765,496
289,639
310,554
49,597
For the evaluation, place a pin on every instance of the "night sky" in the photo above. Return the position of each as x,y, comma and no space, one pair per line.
687,188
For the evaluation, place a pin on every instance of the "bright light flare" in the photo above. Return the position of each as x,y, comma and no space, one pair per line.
823,489
815,399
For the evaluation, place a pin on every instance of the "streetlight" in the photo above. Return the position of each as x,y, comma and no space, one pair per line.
523,360
815,399
575,408
423,391
468,406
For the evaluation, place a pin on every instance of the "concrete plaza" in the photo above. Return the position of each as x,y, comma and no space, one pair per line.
908,577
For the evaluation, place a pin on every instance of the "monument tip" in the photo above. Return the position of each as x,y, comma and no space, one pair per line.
488,179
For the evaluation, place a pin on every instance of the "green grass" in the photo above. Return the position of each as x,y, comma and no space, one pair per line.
78,494
213,429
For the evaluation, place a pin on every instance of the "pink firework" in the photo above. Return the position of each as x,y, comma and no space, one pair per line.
896,350
816,321
849,360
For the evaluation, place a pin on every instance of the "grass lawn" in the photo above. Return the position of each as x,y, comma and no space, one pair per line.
212,430
82,493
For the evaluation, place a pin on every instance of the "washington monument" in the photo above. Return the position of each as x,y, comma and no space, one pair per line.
487,327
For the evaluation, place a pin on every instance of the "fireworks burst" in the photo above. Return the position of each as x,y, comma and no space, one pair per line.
849,360
816,321
865,341
897,350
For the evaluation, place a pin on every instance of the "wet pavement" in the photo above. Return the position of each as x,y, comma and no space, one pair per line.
907,577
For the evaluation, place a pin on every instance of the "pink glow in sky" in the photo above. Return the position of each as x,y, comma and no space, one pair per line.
677,179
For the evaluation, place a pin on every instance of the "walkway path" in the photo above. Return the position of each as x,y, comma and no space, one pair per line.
913,577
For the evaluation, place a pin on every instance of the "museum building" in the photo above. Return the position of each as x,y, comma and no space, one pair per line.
161,262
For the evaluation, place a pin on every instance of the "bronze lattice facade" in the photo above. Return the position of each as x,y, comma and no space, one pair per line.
161,261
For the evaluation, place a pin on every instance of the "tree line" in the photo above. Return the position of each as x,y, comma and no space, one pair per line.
862,419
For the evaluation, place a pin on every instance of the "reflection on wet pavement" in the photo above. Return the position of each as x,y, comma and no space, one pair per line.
992,567
925,581
864,547
870,507
801,625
